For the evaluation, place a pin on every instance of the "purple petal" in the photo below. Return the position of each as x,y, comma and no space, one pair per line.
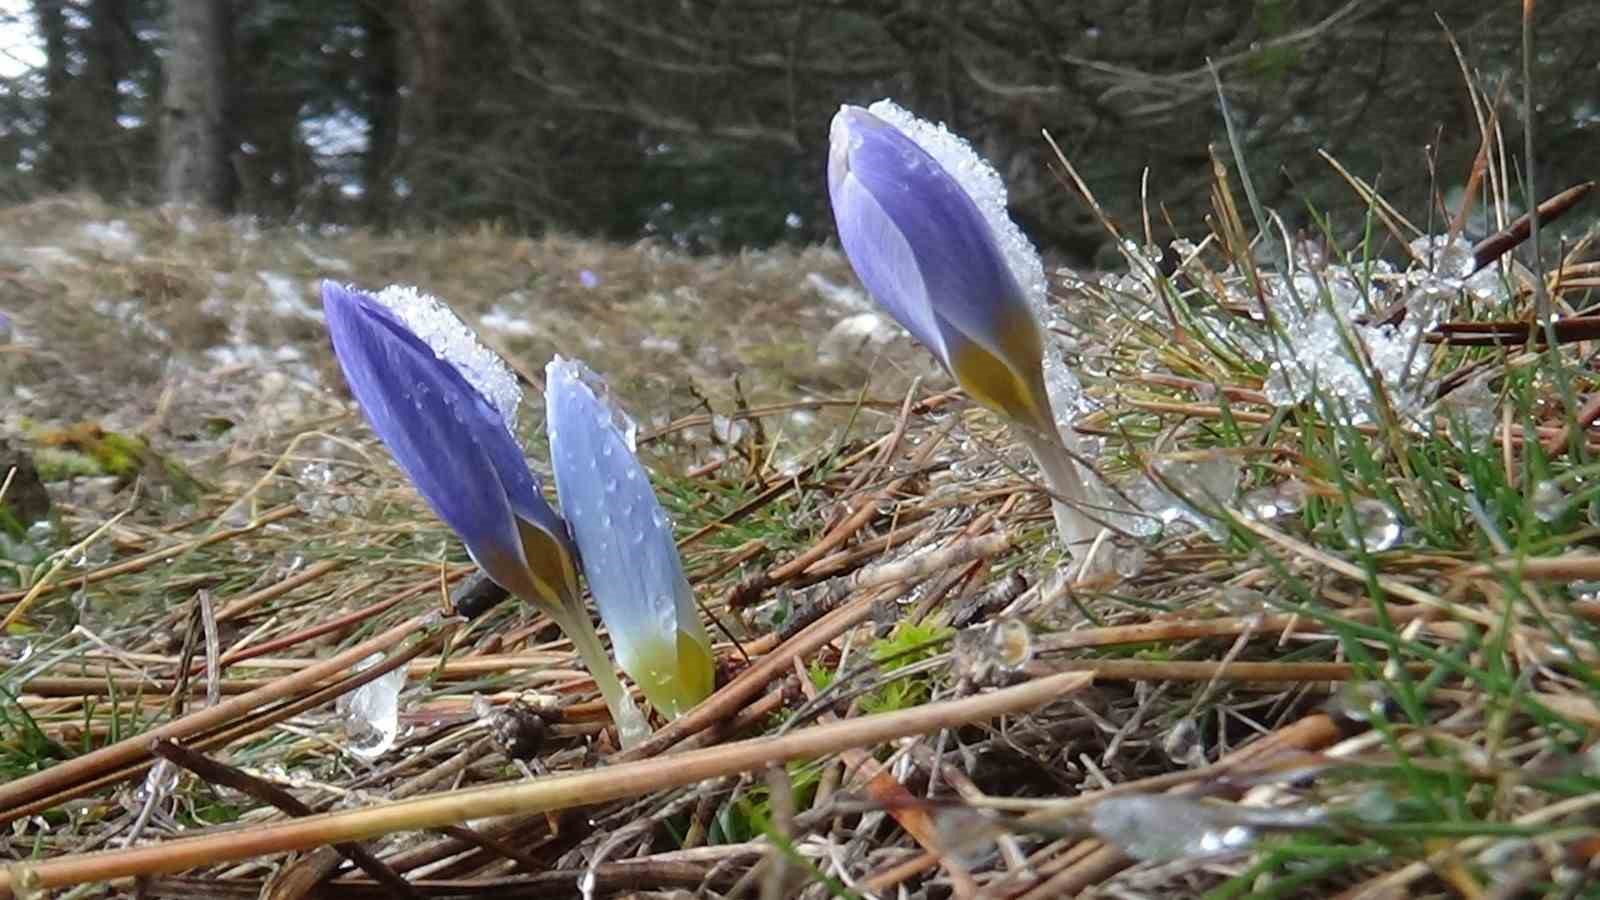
450,441
629,555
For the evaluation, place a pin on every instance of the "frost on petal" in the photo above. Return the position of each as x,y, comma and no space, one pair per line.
983,184
625,541
451,340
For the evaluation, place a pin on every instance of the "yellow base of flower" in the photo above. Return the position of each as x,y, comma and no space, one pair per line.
674,679
1011,383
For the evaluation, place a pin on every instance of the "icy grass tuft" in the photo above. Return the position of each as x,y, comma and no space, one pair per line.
1317,312
452,341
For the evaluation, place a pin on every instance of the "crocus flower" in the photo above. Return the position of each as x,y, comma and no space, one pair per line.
445,406
625,541
922,219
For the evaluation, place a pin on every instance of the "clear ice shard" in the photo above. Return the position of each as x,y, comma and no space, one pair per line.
371,713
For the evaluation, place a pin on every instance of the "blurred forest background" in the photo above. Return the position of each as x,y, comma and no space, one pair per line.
704,122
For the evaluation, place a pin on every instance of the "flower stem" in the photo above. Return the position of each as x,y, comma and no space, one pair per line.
574,622
1068,491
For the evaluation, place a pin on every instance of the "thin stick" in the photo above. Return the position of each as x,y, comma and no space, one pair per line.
542,794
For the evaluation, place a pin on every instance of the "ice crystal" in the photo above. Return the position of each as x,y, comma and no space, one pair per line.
452,341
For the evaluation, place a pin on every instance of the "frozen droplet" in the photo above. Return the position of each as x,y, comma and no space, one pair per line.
1261,503
316,474
482,709
1240,601
1586,588
1360,701
92,554
727,430
1444,256
1166,827
1291,497
238,514
966,835
1549,501
371,712
1010,642
1375,804
1129,561
158,783
40,533
1003,645
1507,854
15,650
632,727
314,504
1372,524
1183,744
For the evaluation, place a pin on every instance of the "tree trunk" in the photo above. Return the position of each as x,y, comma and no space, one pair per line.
55,164
194,156
106,53
382,89
429,24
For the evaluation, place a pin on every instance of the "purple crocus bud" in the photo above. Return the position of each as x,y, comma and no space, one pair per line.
446,406
588,278
629,555
922,219
927,254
